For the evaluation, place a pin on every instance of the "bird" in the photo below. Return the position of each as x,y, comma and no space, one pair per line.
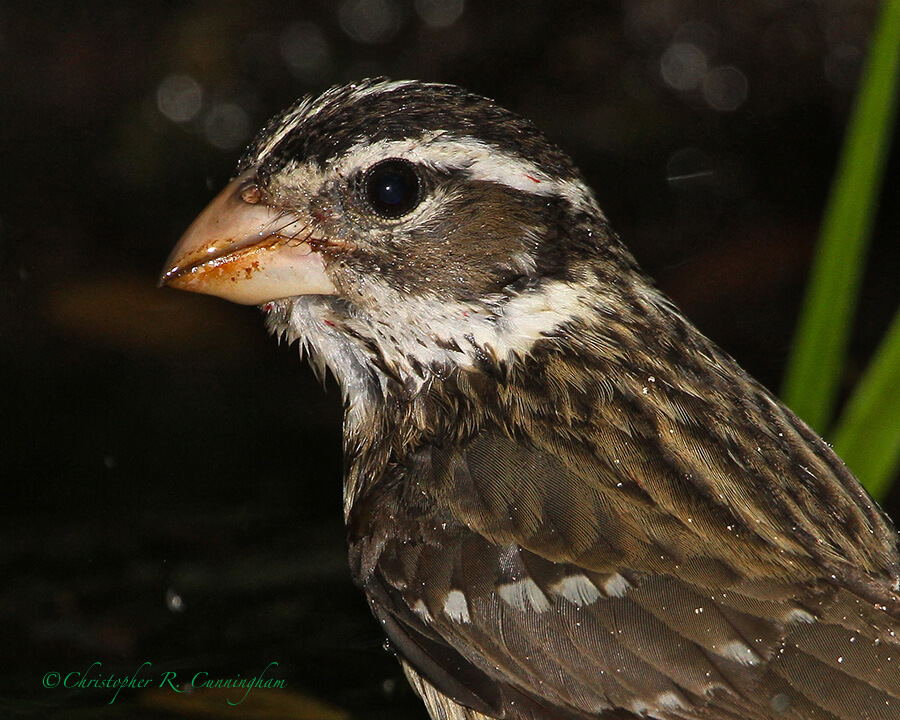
562,500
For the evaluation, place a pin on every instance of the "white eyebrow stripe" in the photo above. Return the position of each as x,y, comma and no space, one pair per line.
285,126
382,87
480,160
309,107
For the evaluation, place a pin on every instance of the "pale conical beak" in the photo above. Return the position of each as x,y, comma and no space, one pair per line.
245,251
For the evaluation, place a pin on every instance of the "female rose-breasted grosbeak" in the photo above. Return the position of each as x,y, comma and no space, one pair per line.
562,500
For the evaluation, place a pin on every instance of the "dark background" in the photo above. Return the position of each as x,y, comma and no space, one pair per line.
171,477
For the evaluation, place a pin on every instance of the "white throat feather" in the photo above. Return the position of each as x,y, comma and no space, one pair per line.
418,337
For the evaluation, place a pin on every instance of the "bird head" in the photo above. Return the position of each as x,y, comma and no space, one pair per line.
406,226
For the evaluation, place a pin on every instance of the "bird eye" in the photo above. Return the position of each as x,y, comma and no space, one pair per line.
393,188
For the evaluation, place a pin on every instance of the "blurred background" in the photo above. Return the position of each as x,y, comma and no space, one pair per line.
171,487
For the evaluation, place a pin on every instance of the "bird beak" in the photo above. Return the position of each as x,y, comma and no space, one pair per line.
246,251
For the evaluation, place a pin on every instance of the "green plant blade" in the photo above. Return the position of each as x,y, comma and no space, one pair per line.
817,357
868,434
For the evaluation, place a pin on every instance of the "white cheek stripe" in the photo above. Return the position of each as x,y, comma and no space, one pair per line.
512,332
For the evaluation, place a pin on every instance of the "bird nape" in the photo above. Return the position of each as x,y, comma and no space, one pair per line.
562,501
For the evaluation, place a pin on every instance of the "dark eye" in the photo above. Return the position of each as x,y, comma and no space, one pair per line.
393,188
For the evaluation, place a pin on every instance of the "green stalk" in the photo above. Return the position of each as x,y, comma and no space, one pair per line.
868,435
817,358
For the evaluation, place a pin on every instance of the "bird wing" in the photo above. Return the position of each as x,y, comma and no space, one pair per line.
520,590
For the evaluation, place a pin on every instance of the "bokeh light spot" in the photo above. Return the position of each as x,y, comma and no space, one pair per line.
725,88
305,50
370,21
179,97
683,66
226,126
439,13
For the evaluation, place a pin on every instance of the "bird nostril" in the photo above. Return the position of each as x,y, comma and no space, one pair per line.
251,194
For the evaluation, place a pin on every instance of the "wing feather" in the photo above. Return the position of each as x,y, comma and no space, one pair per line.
521,576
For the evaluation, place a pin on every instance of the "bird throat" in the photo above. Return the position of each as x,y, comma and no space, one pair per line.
376,356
